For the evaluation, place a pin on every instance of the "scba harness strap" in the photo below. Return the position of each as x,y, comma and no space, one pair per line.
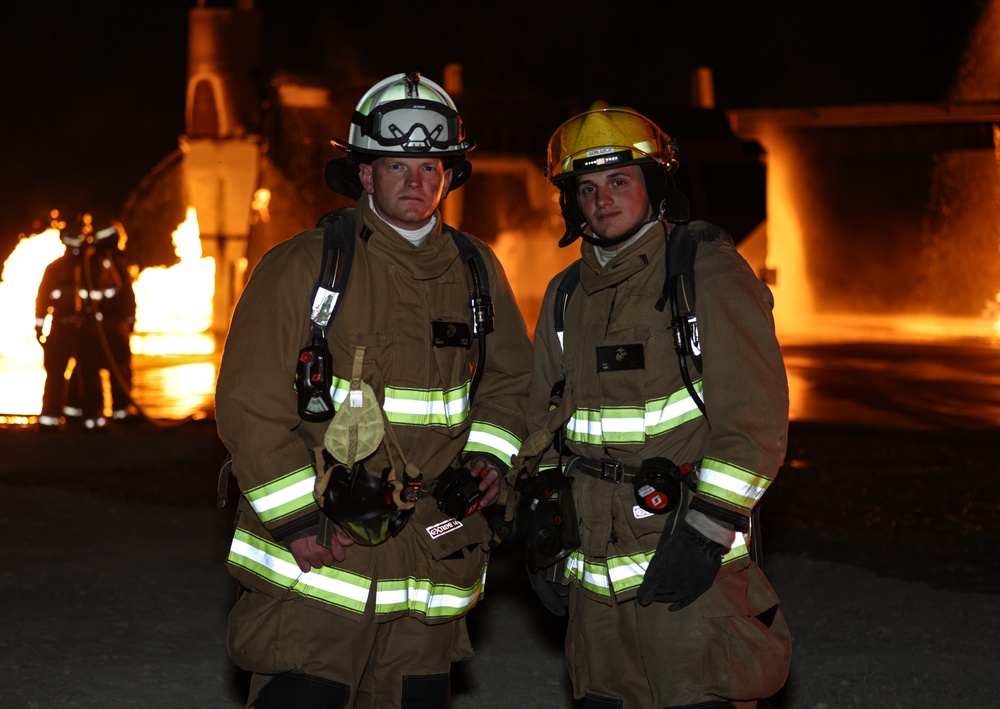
313,375
678,289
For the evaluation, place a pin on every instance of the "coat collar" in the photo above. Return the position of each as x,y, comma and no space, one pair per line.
632,259
429,260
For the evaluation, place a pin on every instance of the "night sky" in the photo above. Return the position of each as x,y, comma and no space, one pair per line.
94,96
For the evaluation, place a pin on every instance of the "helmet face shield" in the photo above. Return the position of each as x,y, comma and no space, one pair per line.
599,139
413,126
363,505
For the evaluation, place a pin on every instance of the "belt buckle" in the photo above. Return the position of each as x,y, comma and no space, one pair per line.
612,470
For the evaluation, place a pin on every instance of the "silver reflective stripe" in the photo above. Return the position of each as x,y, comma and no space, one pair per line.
731,483
322,307
424,597
276,565
633,424
283,496
622,573
487,438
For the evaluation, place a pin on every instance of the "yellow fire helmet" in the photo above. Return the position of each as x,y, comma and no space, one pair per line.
603,137
403,115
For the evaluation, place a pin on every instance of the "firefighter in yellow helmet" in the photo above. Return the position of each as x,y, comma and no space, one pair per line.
371,393
664,390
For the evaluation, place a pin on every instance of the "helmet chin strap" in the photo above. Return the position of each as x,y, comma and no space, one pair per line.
672,207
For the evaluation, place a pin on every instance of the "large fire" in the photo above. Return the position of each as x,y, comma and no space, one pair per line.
173,318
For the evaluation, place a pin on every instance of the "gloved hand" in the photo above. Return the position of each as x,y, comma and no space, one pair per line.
554,596
38,333
683,568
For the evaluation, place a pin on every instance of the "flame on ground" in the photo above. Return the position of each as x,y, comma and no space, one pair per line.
174,303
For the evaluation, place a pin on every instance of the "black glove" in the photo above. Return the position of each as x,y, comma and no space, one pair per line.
554,596
683,568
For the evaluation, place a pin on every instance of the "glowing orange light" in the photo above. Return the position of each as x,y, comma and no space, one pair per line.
174,304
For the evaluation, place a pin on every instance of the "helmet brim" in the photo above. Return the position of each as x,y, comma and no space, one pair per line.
341,174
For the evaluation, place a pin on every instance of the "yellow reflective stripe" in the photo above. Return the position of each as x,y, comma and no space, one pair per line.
488,438
285,495
275,564
626,572
415,407
425,597
730,483
427,407
738,550
593,576
632,424
667,414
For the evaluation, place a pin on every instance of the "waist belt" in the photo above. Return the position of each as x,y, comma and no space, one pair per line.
607,469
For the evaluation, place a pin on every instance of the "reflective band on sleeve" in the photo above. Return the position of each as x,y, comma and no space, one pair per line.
487,438
731,483
286,495
276,564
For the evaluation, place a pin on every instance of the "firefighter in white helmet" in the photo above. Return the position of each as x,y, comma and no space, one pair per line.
667,402
371,392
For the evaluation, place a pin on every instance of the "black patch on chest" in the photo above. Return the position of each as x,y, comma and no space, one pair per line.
617,358
451,334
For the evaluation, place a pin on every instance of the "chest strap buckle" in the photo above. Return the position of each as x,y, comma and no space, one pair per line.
612,470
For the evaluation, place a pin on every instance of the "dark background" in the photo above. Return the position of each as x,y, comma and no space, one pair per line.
94,91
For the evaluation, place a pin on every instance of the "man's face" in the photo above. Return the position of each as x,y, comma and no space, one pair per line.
613,201
406,191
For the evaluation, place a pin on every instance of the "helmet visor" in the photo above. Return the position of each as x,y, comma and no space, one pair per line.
371,531
414,125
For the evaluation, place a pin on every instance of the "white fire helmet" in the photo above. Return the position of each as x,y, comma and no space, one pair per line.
406,115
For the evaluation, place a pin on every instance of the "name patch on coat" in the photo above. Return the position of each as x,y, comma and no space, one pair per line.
451,334
615,358
442,528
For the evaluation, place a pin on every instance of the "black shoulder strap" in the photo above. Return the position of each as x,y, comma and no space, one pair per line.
479,299
679,289
567,284
482,303
338,252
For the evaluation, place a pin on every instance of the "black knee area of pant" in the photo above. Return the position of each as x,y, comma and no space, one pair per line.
704,705
425,691
292,690
592,701
767,617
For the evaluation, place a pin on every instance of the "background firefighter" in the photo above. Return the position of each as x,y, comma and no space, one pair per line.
60,304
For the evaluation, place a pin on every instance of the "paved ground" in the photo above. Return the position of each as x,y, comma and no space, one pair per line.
113,591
